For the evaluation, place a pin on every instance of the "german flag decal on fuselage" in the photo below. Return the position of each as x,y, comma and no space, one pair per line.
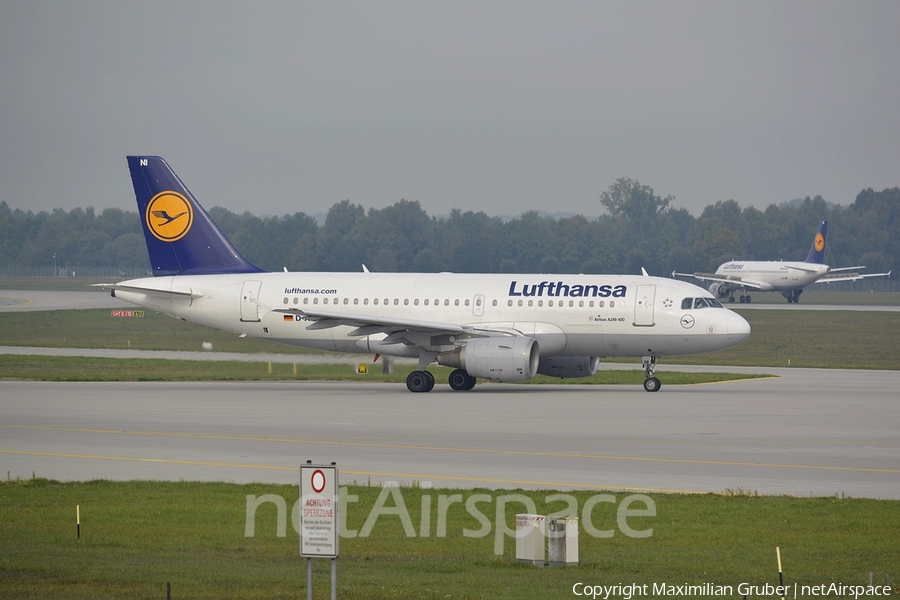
169,216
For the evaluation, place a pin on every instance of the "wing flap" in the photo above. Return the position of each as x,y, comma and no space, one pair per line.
371,323
734,280
833,278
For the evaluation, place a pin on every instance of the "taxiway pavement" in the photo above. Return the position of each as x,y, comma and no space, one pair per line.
805,432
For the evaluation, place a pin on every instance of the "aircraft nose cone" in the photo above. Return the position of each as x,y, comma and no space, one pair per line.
738,328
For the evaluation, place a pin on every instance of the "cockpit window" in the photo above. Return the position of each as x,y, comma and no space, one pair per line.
689,303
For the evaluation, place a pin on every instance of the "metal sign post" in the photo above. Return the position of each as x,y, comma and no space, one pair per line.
319,519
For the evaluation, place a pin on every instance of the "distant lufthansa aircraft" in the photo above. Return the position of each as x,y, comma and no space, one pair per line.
495,327
789,278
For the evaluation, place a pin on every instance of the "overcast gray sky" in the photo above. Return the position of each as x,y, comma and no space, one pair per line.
507,106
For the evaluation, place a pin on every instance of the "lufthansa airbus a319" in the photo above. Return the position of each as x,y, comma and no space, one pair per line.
787,277
496,327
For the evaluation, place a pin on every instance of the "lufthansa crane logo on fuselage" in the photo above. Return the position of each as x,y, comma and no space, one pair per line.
820,242
169,216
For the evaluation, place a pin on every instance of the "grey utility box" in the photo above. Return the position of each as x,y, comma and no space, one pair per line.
562,535
530,538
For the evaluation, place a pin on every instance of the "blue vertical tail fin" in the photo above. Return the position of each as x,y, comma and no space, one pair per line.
181,237
817,250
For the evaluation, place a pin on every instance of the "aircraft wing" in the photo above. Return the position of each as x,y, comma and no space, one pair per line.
167,294
832,278
371,324
738,281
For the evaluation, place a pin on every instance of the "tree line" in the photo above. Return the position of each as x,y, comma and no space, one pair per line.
639,229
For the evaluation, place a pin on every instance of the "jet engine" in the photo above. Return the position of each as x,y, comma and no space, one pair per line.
720,290
568,367
513,358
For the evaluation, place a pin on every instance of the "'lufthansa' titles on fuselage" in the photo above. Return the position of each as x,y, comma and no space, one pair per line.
556,289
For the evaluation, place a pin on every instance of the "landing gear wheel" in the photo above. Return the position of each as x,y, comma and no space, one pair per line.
652,384
461,380
420,381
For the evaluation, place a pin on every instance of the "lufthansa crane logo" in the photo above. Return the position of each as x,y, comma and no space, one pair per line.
169,216
820,242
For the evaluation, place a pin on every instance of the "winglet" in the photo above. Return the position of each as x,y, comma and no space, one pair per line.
181,237
817,250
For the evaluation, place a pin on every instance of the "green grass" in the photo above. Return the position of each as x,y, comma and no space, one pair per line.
823,339
779,338
136,536
65,368
811,295
96,328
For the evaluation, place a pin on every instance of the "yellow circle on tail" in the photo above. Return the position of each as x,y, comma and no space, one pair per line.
169,216
820,242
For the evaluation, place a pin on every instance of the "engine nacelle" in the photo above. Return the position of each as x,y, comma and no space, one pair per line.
568,367
513,358
720,290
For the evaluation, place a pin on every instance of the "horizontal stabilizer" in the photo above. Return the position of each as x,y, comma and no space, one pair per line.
169,294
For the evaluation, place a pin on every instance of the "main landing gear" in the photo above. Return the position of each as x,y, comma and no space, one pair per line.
423,381
420,381
651,383
461,381
793,296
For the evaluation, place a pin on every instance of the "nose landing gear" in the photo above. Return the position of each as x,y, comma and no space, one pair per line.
651,383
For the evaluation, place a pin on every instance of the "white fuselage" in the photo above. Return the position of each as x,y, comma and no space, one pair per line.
569,315
773,276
